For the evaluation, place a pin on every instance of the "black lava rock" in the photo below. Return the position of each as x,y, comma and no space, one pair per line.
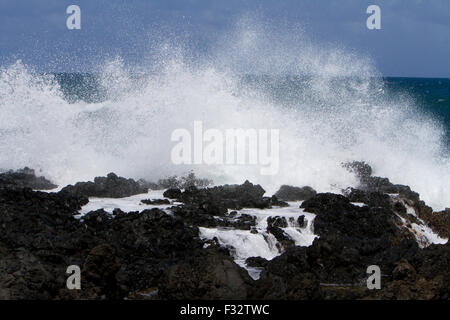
110,186
290,193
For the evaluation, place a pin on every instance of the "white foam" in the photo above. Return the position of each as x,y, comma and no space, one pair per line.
126,204
424,235
245,244
359,204
341,115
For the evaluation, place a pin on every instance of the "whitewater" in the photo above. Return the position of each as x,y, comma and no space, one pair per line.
257,241
341,113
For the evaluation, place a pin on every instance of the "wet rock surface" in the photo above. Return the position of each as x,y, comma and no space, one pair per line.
110,186
156,255
377,191
256,262
210,274
234,197
155,201
24,178
352,237
290,193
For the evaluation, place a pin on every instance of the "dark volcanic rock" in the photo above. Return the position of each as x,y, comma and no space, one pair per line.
277,221
275,202
213,217
155,201
40,238
403,271
256,262
99,272
131,254
192,215
372,199
211,274
302,222
350,239
351,232
110,186
228,196
183,182
35,242
374,192
173,193
282,237
438,221
365,227
209,207
288,276
326,201
290,193
24,178
176,182
376,184
424,276
361,169
243,222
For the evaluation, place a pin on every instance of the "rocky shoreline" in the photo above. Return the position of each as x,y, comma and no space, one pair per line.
159,252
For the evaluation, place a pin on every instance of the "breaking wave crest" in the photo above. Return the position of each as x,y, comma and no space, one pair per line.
328,103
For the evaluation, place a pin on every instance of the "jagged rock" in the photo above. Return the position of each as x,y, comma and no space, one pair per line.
400,208
246,195
243,222
283,239
211,274
371,198
99,271
370,228
288,277
110,186
183,182
124,254
277,221
421,289
438,221
373,191
403,271
24,178
155,201
256,262
377,184
302,222
40,236
324,201
173,193
290,193
361,169
205,216
275,202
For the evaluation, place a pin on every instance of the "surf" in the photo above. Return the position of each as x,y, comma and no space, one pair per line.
328,103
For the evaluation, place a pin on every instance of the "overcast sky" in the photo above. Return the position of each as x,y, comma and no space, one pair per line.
414,39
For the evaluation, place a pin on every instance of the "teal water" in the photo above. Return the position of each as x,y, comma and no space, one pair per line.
431,95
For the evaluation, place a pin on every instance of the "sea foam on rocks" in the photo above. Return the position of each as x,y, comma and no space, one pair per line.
212,243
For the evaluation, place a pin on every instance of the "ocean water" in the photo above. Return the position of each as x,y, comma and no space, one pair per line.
330,105
244,244
431,96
